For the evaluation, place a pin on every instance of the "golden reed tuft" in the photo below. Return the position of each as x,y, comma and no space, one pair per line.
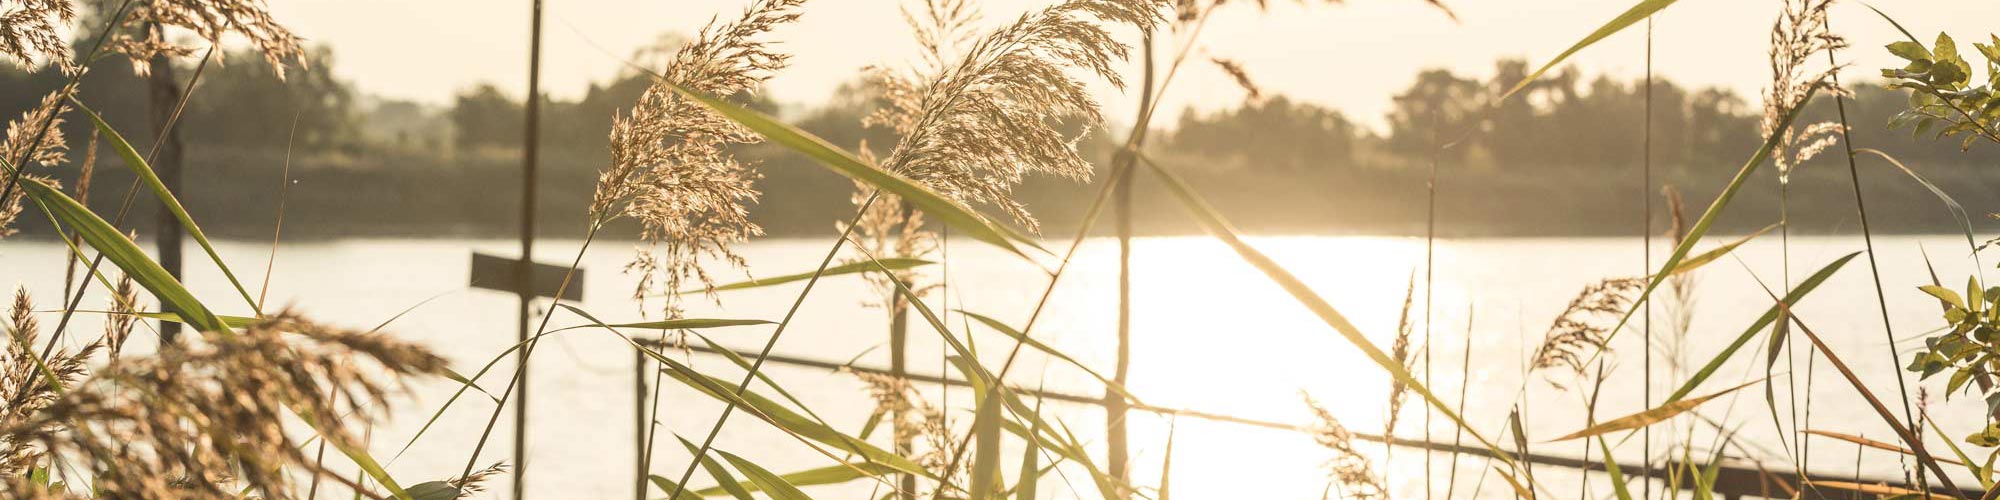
671,168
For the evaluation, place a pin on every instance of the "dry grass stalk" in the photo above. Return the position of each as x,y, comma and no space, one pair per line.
1400,350
475,483
203,421
975,129
1581,328
1799,38
1236,72
1350,471
897,398
1681,288
671,168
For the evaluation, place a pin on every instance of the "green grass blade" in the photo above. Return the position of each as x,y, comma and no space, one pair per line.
726,482
1649,417
1957,211
1010,331
1031,456
731,355
146,176
1221,229
118,249
667,486
772,485
1770,315
832,474
672,324
1611,467
1697,261
1638,12
232,321
784,418
986,446
840,161
361,459
894,263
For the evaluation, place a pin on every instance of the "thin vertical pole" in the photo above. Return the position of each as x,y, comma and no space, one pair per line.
525,268
162,95
639,421
1646,234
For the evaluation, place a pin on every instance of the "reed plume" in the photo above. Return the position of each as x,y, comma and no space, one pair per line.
896,398
1798,37
1349,470
671,166
203,421
1581,330
30,36
145,30
975,129
21,143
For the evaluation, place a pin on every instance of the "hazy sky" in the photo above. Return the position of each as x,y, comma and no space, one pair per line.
1351,56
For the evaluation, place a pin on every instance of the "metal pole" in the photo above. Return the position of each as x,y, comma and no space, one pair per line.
525,270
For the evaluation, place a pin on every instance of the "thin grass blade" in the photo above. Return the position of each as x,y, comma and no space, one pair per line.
152,181
1649,417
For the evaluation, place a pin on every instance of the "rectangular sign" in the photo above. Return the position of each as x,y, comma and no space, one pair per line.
500,273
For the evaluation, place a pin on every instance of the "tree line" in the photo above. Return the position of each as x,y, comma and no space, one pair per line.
1561,159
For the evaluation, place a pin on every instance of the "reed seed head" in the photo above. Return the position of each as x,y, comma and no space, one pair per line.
671,167
30,35
976,128
1799,40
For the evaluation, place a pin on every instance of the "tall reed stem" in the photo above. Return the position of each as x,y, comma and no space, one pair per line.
1868,244
1646,236
1115,408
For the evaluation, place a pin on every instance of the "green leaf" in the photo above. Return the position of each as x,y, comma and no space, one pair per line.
118,249
935,205
1770,315
1944,294
433,490
145,175
895,264
772,485
1910,50
1638,12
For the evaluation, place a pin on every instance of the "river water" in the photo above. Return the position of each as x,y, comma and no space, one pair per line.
1210,334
